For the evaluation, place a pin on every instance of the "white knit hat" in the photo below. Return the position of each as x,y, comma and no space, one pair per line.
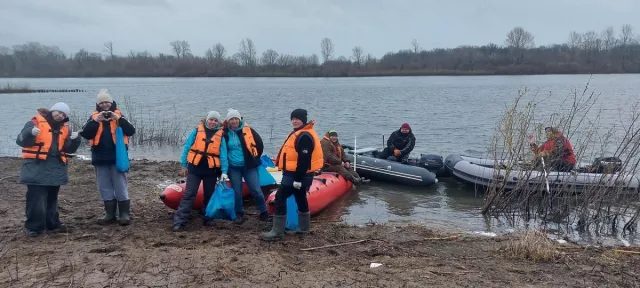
213,114
233,113
104,95
62,107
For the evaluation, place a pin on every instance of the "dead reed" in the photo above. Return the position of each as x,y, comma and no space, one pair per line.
519,185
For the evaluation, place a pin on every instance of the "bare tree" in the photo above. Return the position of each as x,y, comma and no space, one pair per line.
247,53
358,55
219,51
326,49
209,55
108,47
176,47
520,39
627,35
608,38
269,57
4,50
185,49
416,46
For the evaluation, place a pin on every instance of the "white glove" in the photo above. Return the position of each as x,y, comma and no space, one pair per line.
297,185
74,135
224,177
35,131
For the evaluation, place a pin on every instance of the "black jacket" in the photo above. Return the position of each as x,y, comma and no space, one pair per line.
403,142
105,152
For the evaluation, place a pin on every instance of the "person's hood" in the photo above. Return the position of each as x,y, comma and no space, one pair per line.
326,136
44,112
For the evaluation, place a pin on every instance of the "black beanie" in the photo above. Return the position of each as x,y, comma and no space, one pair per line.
300,114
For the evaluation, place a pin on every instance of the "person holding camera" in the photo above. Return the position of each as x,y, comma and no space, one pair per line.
100,130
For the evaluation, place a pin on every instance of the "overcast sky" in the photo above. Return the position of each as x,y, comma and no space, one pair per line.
297,26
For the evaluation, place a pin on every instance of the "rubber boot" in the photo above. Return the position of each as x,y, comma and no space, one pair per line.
304,221
277,230
123,207
109,213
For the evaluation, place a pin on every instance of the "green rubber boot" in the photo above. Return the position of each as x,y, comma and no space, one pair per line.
123,207
109,213
277,230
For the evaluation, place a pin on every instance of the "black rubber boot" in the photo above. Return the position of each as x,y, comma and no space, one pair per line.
123,207
277,230
109,213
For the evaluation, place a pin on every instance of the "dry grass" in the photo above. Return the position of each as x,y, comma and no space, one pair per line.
532,245
606,207
12,88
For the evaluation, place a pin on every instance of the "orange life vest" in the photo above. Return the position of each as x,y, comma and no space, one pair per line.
113,124
287,159
249,141
338,147
205,147
44,140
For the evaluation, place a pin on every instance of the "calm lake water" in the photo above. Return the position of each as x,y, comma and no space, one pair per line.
447,115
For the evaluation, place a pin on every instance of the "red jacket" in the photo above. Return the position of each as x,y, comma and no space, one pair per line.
562,143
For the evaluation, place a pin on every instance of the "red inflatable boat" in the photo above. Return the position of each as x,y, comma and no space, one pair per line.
173,193
326,189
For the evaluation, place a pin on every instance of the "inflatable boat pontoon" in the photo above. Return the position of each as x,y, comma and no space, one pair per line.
480,172
368,166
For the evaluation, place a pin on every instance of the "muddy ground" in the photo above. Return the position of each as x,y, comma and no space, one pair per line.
148,254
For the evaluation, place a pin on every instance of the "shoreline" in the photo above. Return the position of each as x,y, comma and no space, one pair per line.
362,75
147,253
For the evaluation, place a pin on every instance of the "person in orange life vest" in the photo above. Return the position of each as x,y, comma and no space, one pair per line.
399,145
203,155
557,149
244,148
335,159
100,130
45,141
299,158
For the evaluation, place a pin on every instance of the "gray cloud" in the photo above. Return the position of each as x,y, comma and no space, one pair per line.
297,26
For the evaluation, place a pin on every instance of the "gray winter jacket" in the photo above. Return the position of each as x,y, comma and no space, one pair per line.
50,172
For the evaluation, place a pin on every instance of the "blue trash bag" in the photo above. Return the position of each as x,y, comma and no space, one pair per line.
222,204
292,213
264,177
122,156
266,161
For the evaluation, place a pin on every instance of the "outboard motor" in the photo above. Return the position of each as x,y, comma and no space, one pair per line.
433,163
606,165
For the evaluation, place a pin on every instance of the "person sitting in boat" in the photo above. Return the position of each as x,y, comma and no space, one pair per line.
335,159
399,145
557,149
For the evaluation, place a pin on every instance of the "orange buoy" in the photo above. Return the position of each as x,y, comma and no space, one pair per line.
325,189
172,195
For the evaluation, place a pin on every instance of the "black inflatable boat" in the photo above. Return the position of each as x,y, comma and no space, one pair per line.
415,172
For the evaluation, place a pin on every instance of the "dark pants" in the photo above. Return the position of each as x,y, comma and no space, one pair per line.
559,165
283,194
387,154
348,174
251,179
42,208
191,190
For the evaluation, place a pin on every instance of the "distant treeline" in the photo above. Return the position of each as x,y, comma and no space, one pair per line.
607,51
